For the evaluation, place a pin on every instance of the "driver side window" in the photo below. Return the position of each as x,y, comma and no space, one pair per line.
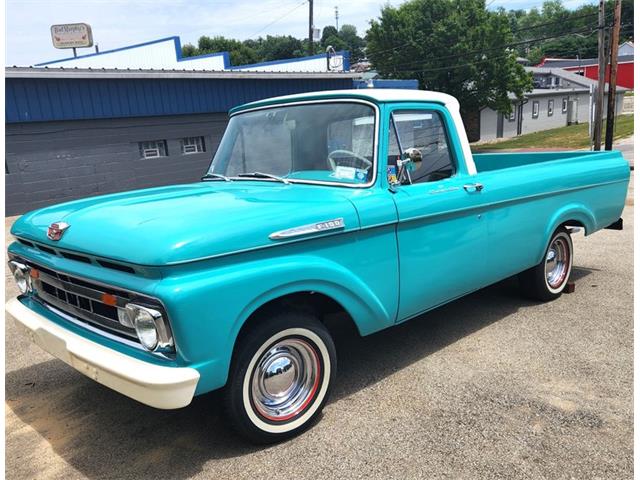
354,135
424,130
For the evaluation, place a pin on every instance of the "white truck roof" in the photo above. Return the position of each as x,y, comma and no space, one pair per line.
376,94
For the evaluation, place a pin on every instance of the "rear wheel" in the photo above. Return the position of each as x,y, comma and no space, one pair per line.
281,377
547,280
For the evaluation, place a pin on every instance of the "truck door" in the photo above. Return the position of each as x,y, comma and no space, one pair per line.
441,232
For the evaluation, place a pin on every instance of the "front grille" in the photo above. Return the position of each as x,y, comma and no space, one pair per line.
82,299
77,257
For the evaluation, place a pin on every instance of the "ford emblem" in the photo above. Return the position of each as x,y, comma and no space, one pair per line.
56,230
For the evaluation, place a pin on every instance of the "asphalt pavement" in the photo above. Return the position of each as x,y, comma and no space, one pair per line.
489,386
626,147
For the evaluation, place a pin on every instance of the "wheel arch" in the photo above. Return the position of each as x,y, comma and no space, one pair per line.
573,215
359,304
315,302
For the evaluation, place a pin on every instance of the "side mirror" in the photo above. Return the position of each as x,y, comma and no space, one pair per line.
414,156
411,160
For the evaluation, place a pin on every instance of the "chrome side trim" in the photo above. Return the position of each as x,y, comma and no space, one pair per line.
396,222
309,229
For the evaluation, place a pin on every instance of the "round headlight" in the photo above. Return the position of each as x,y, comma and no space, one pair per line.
146,330
21,276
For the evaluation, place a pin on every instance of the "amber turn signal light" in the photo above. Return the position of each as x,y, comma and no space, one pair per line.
109,299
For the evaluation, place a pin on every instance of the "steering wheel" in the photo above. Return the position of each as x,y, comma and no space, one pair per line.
363,162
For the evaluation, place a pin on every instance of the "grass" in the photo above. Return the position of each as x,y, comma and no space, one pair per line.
573,136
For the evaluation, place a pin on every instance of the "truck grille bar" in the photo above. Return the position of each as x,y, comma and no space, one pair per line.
82,299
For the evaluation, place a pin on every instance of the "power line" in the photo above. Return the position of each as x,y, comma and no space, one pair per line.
555,22
500,47
452,67
279,18
532,27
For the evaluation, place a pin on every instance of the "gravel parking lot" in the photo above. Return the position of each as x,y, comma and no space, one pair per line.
490,386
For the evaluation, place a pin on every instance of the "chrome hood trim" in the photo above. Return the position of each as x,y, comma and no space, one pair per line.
309,229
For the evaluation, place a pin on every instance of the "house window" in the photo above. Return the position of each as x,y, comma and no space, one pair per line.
153,149
535,109
512,115
550,108
565,104
191,145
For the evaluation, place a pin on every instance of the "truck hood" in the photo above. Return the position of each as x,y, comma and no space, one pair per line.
183,223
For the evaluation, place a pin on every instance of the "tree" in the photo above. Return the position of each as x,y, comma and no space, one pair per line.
353,43
239,53
452,46
555,31
189,50
345,39
278,47
327,32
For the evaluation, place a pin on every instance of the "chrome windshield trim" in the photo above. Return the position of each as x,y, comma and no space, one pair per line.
309,229
376,128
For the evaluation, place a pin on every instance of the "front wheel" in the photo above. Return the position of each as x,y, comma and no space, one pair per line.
547,280
281,377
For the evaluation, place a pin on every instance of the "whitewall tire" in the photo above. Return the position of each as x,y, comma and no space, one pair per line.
547,280
281,377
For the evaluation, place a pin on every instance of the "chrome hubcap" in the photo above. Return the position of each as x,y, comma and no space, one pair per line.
557,264
285,379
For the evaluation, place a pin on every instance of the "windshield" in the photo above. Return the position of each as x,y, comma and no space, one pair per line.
327,142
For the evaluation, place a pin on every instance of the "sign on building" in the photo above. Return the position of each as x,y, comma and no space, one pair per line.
71,35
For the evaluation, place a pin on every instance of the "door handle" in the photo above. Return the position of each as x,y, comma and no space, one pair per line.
473,187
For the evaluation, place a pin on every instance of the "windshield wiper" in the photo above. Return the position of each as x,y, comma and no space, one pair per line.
215,176
264,175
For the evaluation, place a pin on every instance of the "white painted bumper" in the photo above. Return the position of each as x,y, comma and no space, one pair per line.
154,385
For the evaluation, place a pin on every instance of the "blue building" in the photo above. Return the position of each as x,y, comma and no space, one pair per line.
72,133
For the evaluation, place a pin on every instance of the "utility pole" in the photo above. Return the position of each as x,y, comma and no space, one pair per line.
597,118
336,9
310,27
613,76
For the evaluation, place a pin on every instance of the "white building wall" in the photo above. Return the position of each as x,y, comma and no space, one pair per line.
166,54
489,120
544,121
488,124
153,55
305,64
626,49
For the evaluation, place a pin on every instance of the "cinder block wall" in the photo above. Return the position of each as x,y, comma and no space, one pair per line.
53,162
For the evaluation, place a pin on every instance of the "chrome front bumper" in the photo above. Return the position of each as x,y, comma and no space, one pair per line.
153,385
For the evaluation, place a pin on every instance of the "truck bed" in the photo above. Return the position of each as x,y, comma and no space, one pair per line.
486,162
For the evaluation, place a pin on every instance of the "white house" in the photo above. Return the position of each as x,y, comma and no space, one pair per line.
559,98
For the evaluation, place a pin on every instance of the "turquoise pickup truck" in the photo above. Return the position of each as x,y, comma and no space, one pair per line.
364,202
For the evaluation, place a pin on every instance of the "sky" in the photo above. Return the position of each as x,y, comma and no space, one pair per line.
118,23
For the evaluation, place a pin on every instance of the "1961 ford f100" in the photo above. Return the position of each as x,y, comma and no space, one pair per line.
366,202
